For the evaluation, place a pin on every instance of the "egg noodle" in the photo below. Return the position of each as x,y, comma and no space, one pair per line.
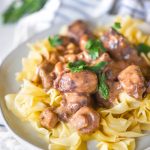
119,126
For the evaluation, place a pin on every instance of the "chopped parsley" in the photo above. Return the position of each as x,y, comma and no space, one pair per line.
116,26
98,67
81,65
77,66
143,48
19,8
102,87
55,40
94,47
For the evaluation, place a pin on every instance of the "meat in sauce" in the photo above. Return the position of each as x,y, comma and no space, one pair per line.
48,118
71,103
121,50
80,82
74,101
132,81
126,71
44,72
85,120
78,29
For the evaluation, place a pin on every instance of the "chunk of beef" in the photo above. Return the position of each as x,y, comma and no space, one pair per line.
44,73
63,113
85,120
71,103
114,68
121,49
77,29
118,46
132,81
74,101
114,90
48,119
80,82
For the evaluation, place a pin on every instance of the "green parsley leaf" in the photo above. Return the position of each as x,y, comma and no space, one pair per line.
98,67
116,26
20,8
77,66
143,48
81,65
103,88
94,47
55,40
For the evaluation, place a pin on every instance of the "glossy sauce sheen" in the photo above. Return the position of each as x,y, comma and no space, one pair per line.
126,71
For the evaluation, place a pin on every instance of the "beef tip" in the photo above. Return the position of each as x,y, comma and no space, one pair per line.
80,82
74,101
114,90
132,81
71,103
48,119
121,49
114,68
63,113
85,120
77,29
44,73
118,46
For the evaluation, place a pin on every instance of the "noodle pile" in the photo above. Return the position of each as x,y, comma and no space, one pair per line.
119,126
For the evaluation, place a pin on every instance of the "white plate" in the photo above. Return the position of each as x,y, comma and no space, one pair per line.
24,133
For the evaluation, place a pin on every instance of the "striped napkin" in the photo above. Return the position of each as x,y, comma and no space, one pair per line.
65,11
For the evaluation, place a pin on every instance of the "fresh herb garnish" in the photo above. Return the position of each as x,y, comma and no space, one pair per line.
77,66
94,47
116,26
143,48
103,88
55,40
81,65
19,8
98,67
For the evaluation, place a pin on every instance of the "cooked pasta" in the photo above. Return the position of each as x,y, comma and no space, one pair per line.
119,125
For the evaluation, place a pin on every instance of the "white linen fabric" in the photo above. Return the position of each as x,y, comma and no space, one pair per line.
62,12
65,11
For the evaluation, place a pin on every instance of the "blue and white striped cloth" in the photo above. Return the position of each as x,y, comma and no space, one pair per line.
65,11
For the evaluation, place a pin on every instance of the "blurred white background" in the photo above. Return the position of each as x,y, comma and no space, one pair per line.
6,32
